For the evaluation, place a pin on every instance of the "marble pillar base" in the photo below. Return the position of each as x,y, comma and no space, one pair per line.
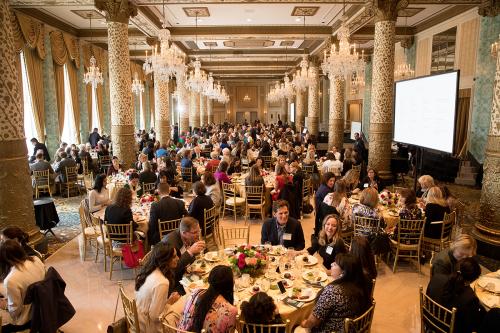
336,133
379,156
162,131
16,199
124,144
313,125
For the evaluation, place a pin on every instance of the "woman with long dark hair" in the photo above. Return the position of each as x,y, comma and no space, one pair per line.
261,309
99,196
346,297
19,271
360,248
212,309
154,287
15,233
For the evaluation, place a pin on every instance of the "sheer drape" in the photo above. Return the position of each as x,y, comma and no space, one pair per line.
73,82
35,76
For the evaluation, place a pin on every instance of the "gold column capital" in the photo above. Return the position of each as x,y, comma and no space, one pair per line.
387,10
117,10
489,8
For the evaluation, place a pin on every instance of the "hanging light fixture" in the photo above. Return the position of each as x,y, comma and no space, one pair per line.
301,79
344,60
94,74
165,63
197,77
137,85
404,71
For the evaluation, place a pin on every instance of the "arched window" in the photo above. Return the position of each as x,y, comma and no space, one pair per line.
29,117
69,128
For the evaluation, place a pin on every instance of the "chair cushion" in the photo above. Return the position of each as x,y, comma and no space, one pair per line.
100,240
89,231
235,201
403,246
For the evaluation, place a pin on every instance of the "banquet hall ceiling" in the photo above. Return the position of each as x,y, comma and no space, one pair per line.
243,38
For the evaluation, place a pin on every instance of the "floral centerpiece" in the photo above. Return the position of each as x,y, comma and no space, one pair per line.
149,198
388,198
247,259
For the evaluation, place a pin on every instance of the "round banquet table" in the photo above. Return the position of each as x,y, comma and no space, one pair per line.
45,213
243,293
488,299
141,215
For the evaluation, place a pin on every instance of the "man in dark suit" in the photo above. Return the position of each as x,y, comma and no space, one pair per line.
94,137
60,168
282,229
42,165
186,240
167,208
39,146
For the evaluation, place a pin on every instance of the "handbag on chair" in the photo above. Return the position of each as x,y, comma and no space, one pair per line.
133,253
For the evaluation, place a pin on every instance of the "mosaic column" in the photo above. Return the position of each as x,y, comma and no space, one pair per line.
299,110
313,102
162,111
289,102
184,108
381,117
203,109
195,109
487,229
210,111
16,203
336,114
122,113
284,110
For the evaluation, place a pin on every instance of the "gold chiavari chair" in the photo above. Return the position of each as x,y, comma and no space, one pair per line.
211,225
365,226
71,181
42,182
435,317
255,200
307,191
165,227
439,244
244,327
334,170
235,236
245,164
408,242
148,187
130,310
89,231
361,324
187,178
102,241
267,162
118,233
231,202
308,169
104,163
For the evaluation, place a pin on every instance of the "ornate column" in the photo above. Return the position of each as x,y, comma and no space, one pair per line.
122,113
284,110
210,111
183,106
203,109
381,118
336,114
313,102
16,204
487,229
192,108
196,109
299,111
162,111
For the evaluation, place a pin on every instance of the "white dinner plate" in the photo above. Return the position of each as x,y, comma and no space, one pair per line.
310,261
291,277
277,251
314,276
212,256
311,295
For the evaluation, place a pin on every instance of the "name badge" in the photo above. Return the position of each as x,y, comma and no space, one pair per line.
329,250
287,236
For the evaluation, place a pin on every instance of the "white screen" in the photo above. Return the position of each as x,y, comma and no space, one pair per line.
424,112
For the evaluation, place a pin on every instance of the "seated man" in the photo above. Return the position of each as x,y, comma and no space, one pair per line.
186,241
41,165
282,229
61,166
167,208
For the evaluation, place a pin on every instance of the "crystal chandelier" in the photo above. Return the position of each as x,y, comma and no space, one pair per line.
288,91
344,60
247,98
164,63
301,78
94,74
137,85
274,94
197,78
403,72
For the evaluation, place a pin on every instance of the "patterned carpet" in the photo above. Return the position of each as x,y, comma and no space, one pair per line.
69,222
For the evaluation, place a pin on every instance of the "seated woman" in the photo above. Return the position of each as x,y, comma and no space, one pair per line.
282,178
19,272
115,167
154,287
212,309
213,188
147,176
260,309
310,160
435,208
119,211
346,297
329,242
254,178
368,201
133,185
234,166
327,183
425,182
221,175
409,209
199,204
140,159
360,248
371,180
186,162
99,196
19,235
454,291
445,262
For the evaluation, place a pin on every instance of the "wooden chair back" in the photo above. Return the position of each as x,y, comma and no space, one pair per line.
165,227
308,169
410,232
148,187
334,170
71,174
245,164
105,161
448,223
235,236
211,225
130,310
228,191
254,195
244,327
364,226
187,174
41,178
119,232
361,324
435,317
267,162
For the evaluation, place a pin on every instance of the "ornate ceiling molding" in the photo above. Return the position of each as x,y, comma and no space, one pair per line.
489,8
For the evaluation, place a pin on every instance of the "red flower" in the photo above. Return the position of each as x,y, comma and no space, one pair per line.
241,261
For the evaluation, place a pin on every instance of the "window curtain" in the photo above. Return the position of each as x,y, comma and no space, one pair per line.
462,122
65,51
29,37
